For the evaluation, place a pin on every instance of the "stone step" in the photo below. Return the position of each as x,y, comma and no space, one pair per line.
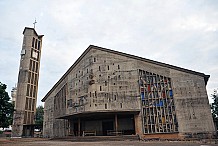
98,138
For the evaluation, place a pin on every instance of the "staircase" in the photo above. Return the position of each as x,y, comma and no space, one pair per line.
98,138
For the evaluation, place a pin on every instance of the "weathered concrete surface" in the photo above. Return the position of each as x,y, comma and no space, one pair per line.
47,142
27,85
104,80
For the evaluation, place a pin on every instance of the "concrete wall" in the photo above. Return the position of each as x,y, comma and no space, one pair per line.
60,128
97,83
192,105
103,81
191,101
48,122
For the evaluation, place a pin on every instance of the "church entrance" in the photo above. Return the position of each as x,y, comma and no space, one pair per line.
112,124
107,126
28,131
75,127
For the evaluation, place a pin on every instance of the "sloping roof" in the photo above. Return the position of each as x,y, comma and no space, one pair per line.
206,77
33,30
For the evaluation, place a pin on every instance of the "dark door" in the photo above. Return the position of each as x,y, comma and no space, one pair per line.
107,125
75,127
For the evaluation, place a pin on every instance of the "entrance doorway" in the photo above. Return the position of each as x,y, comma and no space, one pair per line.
107,125
28,131
75,129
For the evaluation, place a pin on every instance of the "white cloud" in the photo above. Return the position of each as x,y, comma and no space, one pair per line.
178,32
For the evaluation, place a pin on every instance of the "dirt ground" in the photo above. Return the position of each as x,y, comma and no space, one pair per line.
47,142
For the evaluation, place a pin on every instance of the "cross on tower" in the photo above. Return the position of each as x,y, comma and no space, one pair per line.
34,24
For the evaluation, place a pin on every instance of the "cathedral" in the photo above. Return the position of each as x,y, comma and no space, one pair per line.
111,93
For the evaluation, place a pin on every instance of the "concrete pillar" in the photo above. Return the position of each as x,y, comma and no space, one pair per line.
138,124
68,127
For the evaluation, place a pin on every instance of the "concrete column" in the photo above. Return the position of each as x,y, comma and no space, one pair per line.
66,127
116,123
69,127
138,124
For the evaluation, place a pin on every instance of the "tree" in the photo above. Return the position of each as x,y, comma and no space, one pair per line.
214,107
39,117
6,107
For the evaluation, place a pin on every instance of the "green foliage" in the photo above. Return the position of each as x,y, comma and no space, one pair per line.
6,108
39,117
214,107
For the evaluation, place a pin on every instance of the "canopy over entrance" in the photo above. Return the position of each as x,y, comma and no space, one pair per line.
102,123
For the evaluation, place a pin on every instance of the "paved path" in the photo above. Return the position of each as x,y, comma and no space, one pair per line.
46,142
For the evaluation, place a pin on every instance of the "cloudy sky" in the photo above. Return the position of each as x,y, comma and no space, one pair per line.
178,32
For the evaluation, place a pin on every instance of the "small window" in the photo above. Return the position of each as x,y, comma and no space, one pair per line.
30,67
105,106
33,68
87,70
121,105
114,83
33,104
100,75
99,68
28,88
105,83
108,67
94,59
95,93
31,90
118,66
90,94
36,80
100,88
38,45
29,77
36,67
76,75
108,77
33,42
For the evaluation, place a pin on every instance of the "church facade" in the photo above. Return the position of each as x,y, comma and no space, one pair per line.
108,93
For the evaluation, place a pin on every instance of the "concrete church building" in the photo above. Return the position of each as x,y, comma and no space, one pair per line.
107,92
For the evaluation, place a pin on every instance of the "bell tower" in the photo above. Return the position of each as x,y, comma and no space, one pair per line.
27,86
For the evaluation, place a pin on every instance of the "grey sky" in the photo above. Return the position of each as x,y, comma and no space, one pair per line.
178,32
